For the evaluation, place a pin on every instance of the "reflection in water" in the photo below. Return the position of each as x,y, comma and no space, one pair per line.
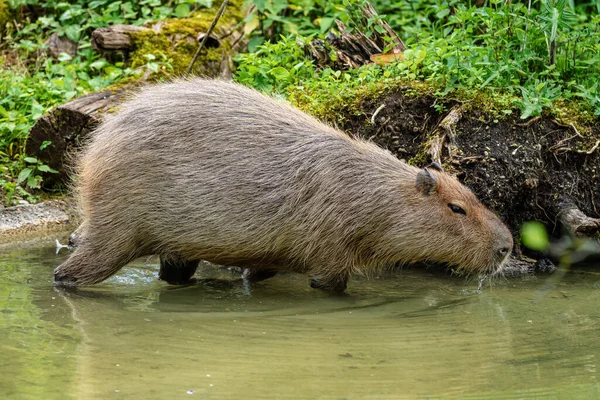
410,334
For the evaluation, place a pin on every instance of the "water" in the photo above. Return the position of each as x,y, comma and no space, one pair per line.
408,334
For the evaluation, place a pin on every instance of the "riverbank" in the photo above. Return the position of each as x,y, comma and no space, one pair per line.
29,220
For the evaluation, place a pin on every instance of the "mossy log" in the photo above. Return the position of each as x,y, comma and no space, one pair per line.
115,37
171,42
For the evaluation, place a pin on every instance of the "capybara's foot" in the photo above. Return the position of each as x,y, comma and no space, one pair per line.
257,275
175,270
63,279
88,265
335,285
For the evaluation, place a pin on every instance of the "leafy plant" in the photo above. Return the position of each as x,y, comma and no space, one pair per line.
537,96
31,173
555,15
502,48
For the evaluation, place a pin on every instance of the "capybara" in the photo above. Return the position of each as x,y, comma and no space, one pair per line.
211,170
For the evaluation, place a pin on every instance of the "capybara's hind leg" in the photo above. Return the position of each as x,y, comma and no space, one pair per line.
174,269
91,263
257,275
335,284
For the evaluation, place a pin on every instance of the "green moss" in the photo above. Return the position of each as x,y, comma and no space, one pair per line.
173,48
332,106
4,15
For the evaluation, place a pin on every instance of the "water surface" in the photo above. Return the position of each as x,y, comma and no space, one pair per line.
407,334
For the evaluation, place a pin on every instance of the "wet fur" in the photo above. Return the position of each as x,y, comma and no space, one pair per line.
210,170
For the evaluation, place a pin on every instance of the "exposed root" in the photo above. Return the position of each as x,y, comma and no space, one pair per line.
575,221
530,122
560,147
444,135
381,107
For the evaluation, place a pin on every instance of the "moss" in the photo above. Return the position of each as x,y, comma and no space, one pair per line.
5,15
333,106
175,45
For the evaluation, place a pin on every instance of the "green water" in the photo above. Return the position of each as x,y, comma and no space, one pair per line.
408,334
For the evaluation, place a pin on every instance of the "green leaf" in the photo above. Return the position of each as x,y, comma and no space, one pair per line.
24,174
73,32
326,23
63,57
534,236
99,64
441,14
205,3
31,160
182,10
260,5
45,168
280,73
70,95
152,66
45,144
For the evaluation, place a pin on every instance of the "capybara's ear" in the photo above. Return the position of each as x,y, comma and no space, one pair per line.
435,166
426,182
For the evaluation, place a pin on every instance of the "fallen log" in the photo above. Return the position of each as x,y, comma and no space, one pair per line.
115,37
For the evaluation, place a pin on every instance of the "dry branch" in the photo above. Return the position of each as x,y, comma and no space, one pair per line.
354,48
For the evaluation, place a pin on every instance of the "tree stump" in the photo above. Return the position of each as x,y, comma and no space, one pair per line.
64,127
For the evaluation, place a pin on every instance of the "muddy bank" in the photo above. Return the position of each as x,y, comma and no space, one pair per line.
25,221
523,170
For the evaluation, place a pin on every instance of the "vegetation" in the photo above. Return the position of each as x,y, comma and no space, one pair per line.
523,56
528,53
31,83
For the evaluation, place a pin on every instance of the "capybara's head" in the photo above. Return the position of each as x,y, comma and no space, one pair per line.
453,226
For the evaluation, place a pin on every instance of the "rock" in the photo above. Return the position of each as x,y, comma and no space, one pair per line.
26,219
60,44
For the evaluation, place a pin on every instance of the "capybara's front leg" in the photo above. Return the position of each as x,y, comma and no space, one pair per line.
175,270
92,264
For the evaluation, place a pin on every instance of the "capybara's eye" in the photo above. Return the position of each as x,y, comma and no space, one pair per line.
457,209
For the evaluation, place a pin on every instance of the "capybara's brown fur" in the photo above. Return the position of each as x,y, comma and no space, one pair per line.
210,170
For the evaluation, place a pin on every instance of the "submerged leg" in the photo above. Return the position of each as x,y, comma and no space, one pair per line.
335,284
257,275
92,263
175,270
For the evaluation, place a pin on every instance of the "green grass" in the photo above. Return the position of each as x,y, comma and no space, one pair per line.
534,55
